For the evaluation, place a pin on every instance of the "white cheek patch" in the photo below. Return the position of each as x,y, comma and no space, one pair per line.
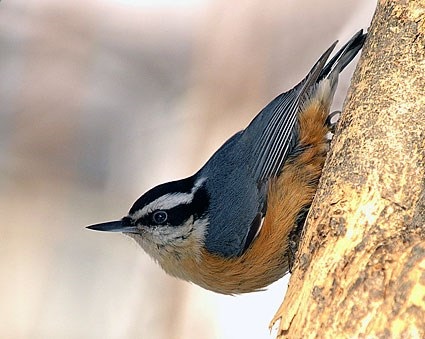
166,243
176,236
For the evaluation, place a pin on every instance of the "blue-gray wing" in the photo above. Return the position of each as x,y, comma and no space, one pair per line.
278,136
237,172
274,130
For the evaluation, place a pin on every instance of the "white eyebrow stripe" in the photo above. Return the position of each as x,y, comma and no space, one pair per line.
169,201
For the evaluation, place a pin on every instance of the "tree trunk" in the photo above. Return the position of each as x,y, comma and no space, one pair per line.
361,263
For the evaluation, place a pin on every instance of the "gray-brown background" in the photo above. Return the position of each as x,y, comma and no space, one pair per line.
99,101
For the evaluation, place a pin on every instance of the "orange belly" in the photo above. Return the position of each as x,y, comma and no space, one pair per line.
268,257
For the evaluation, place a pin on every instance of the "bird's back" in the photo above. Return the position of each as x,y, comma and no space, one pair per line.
239,172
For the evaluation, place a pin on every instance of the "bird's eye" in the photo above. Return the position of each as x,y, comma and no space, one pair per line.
159,217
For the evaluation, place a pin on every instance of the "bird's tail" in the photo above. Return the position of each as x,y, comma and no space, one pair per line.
327,81
344,56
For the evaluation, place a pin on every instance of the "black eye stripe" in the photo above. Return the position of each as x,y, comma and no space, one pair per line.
177,215
196,208
179,186
200,202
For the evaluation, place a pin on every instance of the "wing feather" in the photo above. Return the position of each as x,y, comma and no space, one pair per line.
274,145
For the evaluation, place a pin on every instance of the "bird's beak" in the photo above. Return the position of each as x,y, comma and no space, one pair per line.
114,226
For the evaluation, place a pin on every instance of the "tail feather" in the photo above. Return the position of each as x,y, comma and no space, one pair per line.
278,134
344,56
327,82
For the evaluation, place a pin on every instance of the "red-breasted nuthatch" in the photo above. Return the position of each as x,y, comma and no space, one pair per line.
229,226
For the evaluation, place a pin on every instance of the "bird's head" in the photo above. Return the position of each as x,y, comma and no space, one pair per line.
169,220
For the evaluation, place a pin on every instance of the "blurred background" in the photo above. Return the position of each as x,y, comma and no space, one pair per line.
99,101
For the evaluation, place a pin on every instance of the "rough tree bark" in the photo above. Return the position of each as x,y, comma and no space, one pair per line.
361,264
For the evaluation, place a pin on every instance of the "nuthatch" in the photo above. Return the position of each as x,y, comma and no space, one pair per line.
228,227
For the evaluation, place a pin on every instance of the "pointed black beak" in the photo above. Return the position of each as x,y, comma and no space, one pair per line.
114,226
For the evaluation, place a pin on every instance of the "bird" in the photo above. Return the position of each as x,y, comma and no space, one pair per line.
233,226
